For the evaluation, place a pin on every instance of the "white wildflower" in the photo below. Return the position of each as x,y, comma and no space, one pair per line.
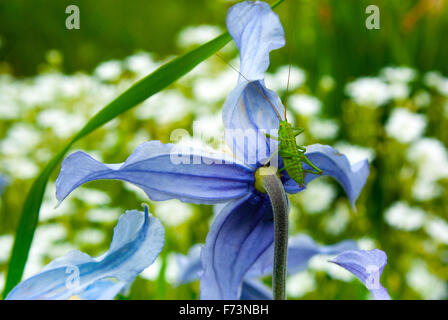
165,107
6,242
141,63
369,92
197,35
425,283
398,74
109,70
402,216
422,99
173,212
437,228
104,215
405,126
152,272
430,157
323,129
20,139
62,123
279,80
299,284
304,105
338,221
426,189
317,196
90,236
399,91
212,90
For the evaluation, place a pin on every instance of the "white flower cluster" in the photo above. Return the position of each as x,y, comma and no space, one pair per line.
393,84
430,157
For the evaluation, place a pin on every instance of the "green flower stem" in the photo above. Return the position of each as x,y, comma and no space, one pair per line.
276,193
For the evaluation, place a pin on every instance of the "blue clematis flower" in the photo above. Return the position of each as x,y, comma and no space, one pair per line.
137,241
243,231
367,266
301,249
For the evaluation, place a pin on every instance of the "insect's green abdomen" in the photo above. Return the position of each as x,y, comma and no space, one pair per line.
293,165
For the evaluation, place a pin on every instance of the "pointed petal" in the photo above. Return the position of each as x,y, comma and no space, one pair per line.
334,164
163,171
367,266
301,248
76,273
241,232
255,290
256,30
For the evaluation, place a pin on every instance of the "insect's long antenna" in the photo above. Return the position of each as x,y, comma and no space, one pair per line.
291,34
253,85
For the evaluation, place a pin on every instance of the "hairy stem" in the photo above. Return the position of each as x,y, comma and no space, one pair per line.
274,188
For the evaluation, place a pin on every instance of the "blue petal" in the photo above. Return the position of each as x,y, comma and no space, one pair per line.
255,290
256,30
137,241
334,164
102,290
190,266
301,248
163,171
367,266
241,232
247,116
3,183
190,269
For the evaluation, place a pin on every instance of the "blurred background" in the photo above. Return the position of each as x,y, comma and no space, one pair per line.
380,94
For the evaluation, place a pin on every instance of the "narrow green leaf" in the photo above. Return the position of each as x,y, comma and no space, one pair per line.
136,94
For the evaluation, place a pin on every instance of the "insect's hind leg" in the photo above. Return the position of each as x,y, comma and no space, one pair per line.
313,172
308,162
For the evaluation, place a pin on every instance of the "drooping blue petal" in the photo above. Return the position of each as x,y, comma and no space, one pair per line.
256,30
367,266
190,266
241,232
255,290
3,183
137,241
247,116
334,164
301,248
163,171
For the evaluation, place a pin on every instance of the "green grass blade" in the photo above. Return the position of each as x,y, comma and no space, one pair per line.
139,92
